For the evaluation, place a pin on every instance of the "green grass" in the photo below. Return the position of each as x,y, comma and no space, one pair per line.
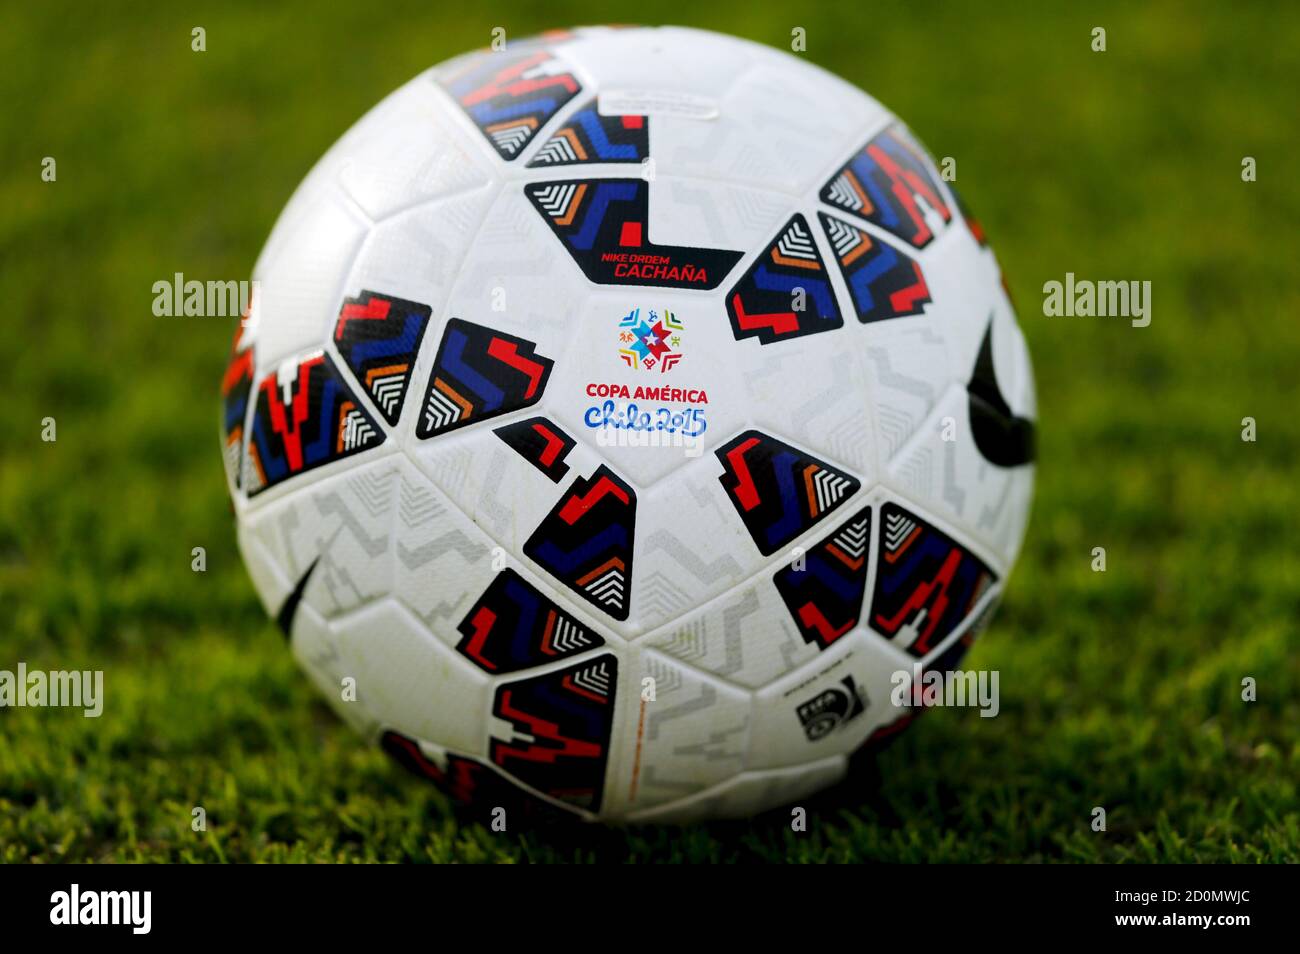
1120,689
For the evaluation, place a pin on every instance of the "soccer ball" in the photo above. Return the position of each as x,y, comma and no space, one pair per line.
620,418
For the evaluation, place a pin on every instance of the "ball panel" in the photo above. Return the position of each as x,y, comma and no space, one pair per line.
300,273
826,413
667,753
404,153
332,536
410,681
943,471
415,254
743,636
907,374
699,554
515,277
442,562
349,524
314,648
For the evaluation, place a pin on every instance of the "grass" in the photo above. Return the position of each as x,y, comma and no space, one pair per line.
1124,165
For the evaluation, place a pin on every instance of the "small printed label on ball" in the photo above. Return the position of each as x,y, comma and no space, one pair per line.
655,102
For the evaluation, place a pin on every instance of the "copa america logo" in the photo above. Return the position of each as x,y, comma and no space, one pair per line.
652,341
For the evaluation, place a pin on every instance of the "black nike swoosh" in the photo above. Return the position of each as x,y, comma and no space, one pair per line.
1002,438
290,608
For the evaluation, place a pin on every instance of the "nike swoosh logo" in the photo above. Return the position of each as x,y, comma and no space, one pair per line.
290,608
1002,438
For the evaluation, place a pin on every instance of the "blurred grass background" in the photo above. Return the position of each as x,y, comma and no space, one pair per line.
1120,689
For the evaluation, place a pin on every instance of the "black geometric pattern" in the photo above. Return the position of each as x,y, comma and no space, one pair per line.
468,782
786,293
236,385
824,589
314,420
889,184
883,282
513,626
604,224
480,373
561,720
779,491
379,339
542,443
926,582
588,137
511,95
586,541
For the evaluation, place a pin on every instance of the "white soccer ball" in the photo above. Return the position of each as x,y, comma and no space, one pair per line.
617,415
